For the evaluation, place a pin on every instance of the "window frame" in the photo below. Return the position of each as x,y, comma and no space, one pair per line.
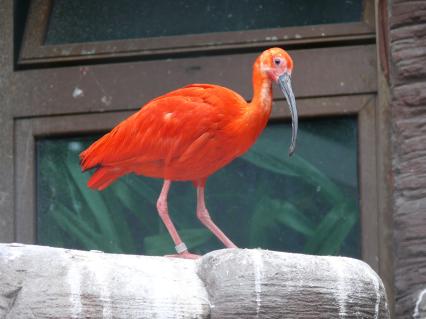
334,95
34,51
40,87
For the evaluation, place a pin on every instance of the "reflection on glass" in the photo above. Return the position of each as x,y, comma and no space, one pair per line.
307,203
101,20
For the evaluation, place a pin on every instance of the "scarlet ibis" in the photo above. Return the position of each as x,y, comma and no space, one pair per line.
188,134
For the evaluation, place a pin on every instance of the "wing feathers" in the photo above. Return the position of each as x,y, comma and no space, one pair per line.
168,128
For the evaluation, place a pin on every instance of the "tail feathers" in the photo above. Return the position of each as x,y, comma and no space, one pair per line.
94,155
88,160
103,177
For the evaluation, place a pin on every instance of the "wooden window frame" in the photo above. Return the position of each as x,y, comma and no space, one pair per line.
334,95
34,50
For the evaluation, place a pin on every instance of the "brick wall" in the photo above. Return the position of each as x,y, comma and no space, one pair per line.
407,22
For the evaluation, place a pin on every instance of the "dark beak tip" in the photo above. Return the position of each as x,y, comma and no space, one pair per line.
284,83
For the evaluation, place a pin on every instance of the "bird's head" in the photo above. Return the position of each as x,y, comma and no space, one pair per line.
275,62
277,65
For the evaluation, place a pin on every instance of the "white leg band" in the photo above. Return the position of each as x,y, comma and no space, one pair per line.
181,248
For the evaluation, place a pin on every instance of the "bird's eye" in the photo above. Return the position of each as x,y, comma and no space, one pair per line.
277,61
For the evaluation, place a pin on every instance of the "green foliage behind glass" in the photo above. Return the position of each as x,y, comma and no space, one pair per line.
307,203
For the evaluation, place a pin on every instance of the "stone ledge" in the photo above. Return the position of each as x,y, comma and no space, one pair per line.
45,282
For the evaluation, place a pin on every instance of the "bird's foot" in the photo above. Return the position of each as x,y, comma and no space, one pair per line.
184,255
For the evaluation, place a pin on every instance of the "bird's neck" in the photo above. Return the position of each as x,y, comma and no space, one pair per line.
262,91
261,104
256,113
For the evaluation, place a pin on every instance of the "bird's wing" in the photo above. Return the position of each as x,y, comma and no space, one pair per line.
165,127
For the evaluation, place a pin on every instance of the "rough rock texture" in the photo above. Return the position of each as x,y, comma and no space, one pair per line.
420,307
44,282
408,81
267,284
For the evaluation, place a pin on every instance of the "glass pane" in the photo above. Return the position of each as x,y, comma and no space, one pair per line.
101,20
307,203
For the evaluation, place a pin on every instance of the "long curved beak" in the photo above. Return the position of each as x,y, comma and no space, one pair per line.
284,81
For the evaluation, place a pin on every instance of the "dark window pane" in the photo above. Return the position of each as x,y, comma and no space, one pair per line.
307,203
101,20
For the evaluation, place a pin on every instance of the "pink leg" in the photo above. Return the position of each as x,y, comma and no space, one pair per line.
204,216
163,211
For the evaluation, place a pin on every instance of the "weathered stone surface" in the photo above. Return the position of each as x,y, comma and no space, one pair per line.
44,282
41,282
267,284
420,308
408,80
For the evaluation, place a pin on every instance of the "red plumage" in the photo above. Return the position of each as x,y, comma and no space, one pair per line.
186,134
190,133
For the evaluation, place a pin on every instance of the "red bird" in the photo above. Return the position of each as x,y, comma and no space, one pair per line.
190,133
